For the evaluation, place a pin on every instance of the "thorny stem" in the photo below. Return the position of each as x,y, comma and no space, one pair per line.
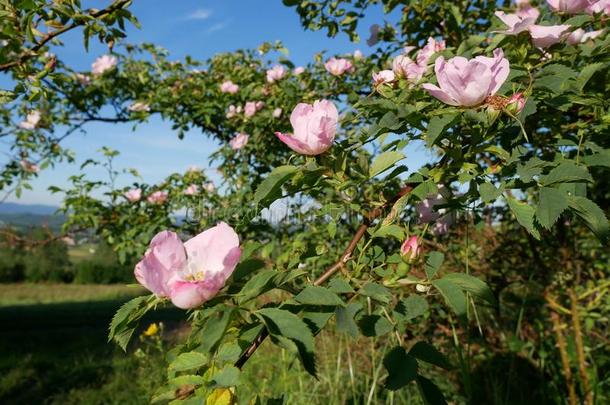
339,264
580,351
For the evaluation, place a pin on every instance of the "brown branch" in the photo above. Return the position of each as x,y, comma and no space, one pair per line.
339,264
580,351
119,4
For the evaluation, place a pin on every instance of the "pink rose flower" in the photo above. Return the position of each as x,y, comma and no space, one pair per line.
191,190
568,6
158,197
358,54
239,141
580,36
515,23
405,67
275,73
193,272
209,187
410,248
229,87
83,79
432,46
526,11
31,120
133,195
544,36
601,6
28,166
516,102
233,111
337,67
298,70
315,127
103,63
385,76
468,83
252,107
139,107
277,113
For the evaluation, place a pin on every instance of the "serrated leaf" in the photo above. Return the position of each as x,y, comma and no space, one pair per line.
188,361
215,327
340,286
124,322
426,352
281,323
376,292
257,285
551,203
587,72
344,317
374,325
430,393
524,214
401,368
565,173
227,377
390,230
384,161
489,192
270,189
453,295
593,216
390,121
433,264
473,285
436,127
412,307
315,295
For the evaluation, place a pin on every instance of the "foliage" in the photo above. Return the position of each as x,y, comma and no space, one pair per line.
498,165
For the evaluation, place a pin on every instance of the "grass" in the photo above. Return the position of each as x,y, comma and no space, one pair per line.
29,293
82,252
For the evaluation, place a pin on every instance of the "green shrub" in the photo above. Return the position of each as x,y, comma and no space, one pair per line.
11,266
103,268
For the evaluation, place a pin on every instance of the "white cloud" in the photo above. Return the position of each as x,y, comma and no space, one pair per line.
199,14
218,26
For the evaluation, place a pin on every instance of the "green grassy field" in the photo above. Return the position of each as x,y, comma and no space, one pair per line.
53,350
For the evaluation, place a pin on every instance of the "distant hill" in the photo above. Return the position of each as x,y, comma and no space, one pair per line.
16,208
24,216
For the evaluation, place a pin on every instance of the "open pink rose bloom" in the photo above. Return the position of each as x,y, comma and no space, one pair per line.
467,83
315,127
193,272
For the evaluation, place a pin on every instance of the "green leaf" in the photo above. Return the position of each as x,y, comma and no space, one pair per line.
285,324
489,192
257,285
426,352
315,295
390,230
436,127
551,203
340,286
587,72
215,327
524,214
473,285
374,325
401,368
593,216
344,317
188,361
376,292
598,159
227,377
412,307
384,161
453,295
433,264
390,121
271,188
566,172
124,322
429,392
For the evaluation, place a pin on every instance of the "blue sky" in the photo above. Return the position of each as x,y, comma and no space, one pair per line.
200,29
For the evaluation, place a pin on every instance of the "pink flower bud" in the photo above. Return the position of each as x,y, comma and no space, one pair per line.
31,120
158,197
28,166
275,73
229,87
337,67
516,103
103,64
298,70
410,248
191,190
